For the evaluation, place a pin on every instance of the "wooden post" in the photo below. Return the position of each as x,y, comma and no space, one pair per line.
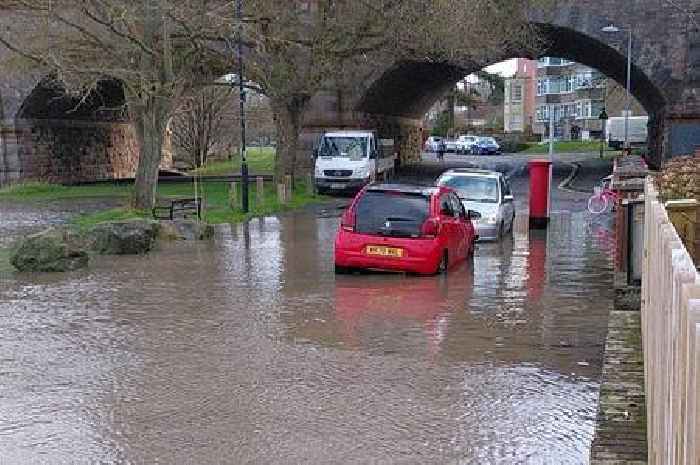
311,183
259,190
281,194
288,187
233,196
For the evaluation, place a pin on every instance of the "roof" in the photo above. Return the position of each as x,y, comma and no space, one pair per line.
404,189
348,134
473,172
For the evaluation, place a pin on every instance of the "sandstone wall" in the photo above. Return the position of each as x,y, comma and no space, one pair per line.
61,151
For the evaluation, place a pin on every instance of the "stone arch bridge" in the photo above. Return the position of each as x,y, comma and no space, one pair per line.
43,141
393,97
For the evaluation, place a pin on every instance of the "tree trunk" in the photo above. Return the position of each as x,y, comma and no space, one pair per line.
4,162
150,120
288,117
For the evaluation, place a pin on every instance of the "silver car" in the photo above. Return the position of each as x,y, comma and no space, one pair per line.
464,144
488,193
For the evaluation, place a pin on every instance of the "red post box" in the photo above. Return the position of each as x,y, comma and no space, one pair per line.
540,184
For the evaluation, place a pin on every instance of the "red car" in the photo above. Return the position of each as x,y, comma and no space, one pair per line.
415,229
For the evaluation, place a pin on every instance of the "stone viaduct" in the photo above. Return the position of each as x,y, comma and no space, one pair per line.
41,138
393,97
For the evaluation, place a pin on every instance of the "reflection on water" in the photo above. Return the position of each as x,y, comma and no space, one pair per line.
251,350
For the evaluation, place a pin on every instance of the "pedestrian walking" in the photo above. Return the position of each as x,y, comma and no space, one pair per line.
441,149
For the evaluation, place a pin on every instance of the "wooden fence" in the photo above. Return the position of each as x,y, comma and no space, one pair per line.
670,339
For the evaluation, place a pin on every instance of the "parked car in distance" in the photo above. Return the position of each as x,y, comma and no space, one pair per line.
485,192
394,227
464,144
450,145
486,146
432,143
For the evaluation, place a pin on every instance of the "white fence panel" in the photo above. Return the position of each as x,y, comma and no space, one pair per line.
670,339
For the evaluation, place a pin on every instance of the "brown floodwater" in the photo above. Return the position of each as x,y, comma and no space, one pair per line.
249,350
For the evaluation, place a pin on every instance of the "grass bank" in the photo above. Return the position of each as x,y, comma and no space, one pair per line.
573,146
43,191
261,160
217,208
5,266
215,196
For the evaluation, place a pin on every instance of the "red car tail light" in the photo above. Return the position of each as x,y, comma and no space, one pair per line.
431,228
347,222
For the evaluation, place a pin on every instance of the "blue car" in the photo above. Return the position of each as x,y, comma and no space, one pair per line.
486,146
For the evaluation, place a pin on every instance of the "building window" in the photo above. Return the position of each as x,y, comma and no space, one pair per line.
553,61
516,93
588,109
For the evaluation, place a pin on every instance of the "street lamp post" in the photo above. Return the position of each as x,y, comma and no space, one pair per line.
614,29
241,98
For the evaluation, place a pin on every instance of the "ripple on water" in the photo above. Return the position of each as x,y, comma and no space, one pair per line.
251,350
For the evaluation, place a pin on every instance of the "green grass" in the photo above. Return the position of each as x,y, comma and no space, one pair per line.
44,191
261,160
573,146
89,220
217,209
5,266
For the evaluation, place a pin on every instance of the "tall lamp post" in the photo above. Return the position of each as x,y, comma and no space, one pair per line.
612,29
241,98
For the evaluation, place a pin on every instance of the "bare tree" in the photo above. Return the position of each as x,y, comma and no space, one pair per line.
202,124
162,50
310,44
261,120
158,49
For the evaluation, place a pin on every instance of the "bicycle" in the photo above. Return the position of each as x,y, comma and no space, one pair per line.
603,198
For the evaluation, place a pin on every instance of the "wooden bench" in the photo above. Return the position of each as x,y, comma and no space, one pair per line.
169,208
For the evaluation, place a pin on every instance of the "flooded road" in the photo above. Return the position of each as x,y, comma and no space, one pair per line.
250,350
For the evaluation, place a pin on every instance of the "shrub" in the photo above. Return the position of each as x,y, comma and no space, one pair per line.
680,178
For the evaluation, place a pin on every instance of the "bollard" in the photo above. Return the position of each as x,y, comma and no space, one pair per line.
288,187
259,189
311,183
281,194
233,196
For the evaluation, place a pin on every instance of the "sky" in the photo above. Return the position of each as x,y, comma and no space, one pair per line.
505,68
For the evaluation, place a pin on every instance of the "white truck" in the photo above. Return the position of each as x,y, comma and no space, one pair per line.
637,131
349,160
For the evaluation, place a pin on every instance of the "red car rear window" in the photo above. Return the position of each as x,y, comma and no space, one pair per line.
392,213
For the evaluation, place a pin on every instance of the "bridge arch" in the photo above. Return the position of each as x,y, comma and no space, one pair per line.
406,90
69,138
409,88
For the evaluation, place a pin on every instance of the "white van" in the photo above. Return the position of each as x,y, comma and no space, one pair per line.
349,160
637,131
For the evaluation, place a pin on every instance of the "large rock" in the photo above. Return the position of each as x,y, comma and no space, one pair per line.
134,237
185,230
55,249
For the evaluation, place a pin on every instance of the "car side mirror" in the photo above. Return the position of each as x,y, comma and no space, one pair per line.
314,154
446,212
373,155
508,198
473,215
